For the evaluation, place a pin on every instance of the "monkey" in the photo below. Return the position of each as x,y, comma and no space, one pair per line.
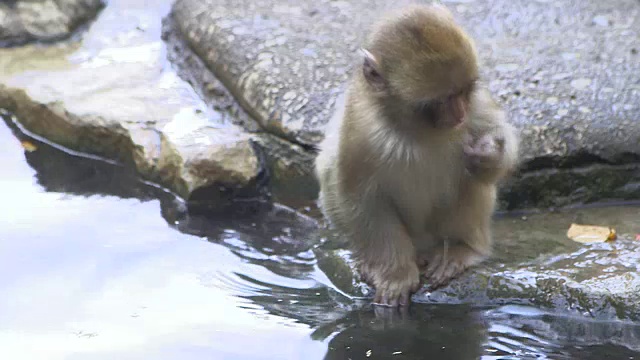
410,163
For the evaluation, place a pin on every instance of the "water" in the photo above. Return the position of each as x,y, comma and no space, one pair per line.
95,264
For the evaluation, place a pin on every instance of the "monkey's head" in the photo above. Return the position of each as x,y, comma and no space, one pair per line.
421,66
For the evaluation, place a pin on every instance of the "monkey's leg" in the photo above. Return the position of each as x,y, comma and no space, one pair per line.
386,256
466,237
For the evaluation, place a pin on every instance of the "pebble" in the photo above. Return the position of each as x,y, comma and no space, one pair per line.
581,84
507,67
601,20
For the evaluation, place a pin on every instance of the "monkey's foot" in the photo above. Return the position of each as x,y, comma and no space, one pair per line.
394,286
444,264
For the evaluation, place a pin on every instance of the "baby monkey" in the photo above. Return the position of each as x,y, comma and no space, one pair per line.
408,173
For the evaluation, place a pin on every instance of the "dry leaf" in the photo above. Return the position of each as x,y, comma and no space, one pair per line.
29,146
591,234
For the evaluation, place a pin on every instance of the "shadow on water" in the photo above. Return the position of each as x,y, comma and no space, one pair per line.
235,284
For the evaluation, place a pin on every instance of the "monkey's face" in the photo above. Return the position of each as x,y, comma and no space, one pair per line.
425,88
437,94
422,67
444,111
425,92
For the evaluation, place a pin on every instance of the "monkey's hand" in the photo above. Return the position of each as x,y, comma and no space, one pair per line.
484,155
394,286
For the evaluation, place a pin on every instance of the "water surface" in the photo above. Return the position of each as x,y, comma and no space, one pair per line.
95,264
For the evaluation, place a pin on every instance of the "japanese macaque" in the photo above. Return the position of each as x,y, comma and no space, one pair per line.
409,166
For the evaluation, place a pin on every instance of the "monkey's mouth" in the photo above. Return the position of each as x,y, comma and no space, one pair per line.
448,122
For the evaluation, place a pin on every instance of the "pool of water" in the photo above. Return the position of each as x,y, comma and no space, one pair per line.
96,264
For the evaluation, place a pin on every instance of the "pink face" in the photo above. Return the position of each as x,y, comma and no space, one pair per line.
448,112
455,109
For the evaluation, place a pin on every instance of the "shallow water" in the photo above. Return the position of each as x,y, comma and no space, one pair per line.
95,264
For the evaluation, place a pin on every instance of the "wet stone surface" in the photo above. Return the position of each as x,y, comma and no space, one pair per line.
534,263
23,21
569,83
288,165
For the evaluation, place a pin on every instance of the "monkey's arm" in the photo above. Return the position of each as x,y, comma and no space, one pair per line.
384,249
491,146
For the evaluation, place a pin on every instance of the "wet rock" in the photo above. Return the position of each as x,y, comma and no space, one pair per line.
287,62
119,99
290,168
598,280
535,264
288,165
23,21
337,265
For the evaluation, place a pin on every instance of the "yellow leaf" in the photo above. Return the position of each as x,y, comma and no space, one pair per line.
29,146
591,234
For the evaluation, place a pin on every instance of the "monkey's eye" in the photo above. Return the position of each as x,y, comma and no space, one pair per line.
428,109
469,89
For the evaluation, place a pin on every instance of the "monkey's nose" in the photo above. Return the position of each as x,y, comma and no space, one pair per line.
457,107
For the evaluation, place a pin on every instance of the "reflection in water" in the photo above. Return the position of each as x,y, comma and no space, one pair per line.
92,269
423,332
280,241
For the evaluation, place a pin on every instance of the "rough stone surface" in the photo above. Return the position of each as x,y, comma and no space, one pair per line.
22,21
535,264
569,83
115,96
601,281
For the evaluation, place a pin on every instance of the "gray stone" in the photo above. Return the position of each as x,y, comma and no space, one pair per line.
287,61
22,21
118,99
599,280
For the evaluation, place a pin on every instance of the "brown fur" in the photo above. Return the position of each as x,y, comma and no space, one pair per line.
406,194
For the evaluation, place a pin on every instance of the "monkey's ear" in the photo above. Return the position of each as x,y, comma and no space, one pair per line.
371,70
